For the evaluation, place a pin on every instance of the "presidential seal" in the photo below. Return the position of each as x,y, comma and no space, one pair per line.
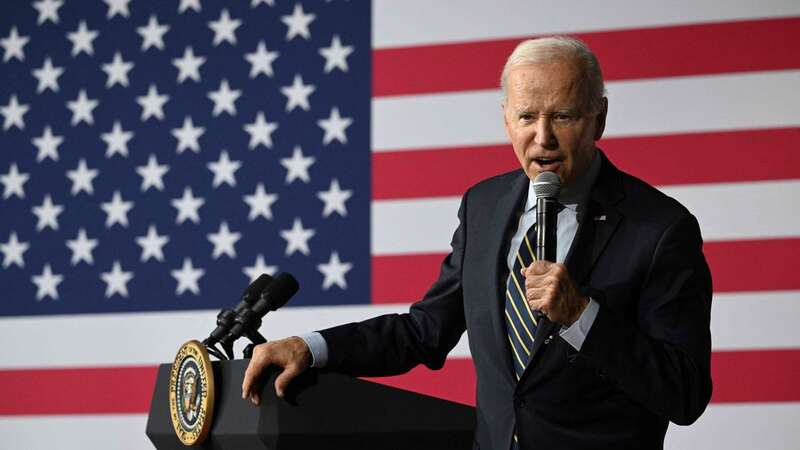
191,393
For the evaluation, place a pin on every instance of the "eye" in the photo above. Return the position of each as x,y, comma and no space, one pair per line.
527,117
563,118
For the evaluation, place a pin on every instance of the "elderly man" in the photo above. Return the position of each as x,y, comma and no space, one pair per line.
622,345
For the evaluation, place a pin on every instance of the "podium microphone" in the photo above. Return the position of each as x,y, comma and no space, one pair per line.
547,186
226,317
248,321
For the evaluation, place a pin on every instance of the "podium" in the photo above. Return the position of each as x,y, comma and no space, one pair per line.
322,410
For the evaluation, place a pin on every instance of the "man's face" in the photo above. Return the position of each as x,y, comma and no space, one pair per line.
549,121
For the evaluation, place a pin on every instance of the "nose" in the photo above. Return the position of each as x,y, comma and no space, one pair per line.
545,137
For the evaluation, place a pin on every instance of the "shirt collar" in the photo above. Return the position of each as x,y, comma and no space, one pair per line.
576,194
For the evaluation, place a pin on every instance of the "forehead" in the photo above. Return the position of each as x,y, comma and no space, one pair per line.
556,84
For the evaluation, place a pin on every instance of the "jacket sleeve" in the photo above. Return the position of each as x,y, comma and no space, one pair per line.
394,343
661,359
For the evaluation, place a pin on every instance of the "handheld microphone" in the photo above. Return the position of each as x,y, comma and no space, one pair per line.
272,297
226,317
547,186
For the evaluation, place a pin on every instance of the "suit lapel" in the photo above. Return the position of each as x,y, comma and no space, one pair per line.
507,209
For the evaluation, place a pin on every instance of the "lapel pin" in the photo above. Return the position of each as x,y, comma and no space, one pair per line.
600,218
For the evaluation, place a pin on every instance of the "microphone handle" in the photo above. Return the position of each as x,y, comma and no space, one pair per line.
547,220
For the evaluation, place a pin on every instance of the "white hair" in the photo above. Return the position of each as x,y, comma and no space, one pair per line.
555,48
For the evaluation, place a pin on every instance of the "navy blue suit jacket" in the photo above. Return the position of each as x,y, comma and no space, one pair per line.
645,361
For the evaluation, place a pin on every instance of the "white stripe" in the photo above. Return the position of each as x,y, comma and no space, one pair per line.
413,22
637,107
153,338
762,426
117,431
726,211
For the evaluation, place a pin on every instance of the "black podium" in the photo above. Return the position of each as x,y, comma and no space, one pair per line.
322,410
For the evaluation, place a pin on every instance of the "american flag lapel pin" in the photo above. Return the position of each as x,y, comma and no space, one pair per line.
600,218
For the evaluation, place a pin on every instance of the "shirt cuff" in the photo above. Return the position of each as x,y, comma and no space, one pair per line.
576,333
319,349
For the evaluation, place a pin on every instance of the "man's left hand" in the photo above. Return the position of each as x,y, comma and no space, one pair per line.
549,289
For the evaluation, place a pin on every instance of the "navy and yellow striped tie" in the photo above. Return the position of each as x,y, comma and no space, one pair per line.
520,321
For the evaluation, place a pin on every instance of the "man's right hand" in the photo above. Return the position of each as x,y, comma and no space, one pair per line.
292,354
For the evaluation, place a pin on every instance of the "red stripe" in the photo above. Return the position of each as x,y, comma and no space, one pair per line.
735,266
683,50
104,390
659,160
740,377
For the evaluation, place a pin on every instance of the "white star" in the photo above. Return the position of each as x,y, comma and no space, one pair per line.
117,7
47,145
297,94
13,114
47,76
152,244
47,283
188,136
117,71
13,181
116,210
224,241
116,280
82,108
152,174
47,214
224,28
297,166
117,140
297,238
259,268
194,5
224,99
224,170
297,23
82,178
261,60
336,55
187,278
48,10
13,251
152,104
187,206
334,272
82,248
260,203
335,126
13,45
255,3
188,65
334,199
260,131
82,39
153,34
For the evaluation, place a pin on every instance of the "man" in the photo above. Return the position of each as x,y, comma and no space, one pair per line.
623,345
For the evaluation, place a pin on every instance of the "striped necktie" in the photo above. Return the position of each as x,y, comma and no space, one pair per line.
520,322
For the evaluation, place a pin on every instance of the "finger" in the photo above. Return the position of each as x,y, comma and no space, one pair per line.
255,367
255,398
540,267
283,380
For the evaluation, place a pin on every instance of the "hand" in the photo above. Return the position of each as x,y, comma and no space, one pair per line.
549,289
292,354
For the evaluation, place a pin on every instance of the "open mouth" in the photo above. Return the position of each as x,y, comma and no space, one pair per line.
547,163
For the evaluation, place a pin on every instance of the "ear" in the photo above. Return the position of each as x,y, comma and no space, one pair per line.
600,125
503,106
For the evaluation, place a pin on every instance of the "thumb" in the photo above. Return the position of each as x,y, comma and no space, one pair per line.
540,267
282,381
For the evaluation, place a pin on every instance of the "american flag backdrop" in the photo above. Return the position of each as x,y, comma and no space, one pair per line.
156,156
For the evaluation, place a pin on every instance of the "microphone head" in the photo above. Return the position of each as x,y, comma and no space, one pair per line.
277,293
250,294
547,185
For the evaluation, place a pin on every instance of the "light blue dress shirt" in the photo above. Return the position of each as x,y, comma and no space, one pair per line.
574,200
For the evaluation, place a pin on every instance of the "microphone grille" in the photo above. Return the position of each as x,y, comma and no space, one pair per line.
547,185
